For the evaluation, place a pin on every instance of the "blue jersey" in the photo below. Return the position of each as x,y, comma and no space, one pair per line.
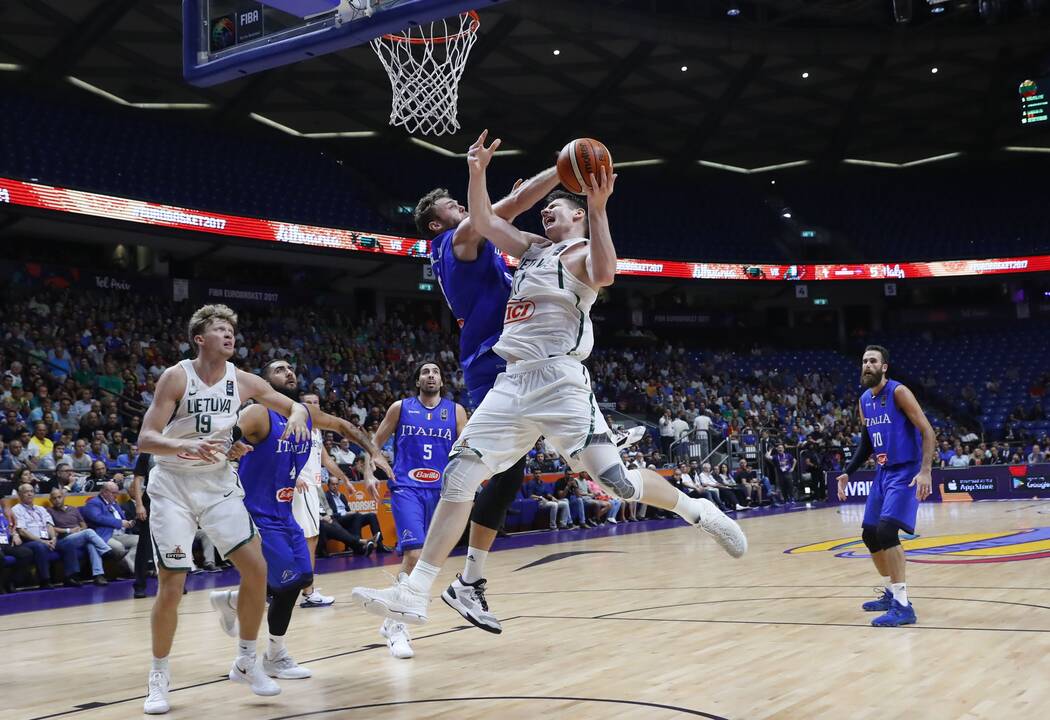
477,293
894,439
422,442
269,471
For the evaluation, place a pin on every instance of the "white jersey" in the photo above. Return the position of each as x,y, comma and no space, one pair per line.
311,471
203,412
549,310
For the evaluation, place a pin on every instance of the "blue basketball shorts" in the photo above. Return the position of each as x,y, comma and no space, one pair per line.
413,507
481,376
891,499
287,555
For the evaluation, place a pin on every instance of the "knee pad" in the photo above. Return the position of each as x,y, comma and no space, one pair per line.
463,475
888,535
490,507
871,539
622,482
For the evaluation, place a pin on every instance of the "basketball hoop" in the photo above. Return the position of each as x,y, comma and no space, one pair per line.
425,63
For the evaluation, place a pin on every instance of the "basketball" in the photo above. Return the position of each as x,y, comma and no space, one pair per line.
579,159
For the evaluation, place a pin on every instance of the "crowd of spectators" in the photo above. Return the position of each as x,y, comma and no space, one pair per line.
78,369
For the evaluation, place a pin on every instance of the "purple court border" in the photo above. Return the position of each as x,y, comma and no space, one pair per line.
34,600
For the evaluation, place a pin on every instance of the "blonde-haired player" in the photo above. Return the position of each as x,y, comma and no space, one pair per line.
546,389
189,431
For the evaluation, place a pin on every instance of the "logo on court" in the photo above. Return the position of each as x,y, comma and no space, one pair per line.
962,549
285,494
425,475
519,311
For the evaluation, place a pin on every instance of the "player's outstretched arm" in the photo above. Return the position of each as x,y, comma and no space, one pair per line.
601,261
324,421
910,407
255,388
485,221
467,240
388,425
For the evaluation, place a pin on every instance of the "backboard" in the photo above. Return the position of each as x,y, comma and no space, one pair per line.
227,39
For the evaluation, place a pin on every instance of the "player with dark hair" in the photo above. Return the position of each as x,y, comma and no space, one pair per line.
903,442
424,428
270,470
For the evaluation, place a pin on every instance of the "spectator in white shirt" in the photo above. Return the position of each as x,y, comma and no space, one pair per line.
342,453
702,422
666,432
680,428
37,531
1036,456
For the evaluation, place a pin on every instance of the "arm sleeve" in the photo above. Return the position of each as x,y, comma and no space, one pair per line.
142,465
861,455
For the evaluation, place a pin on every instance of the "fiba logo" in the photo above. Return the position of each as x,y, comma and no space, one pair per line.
246,18
223,34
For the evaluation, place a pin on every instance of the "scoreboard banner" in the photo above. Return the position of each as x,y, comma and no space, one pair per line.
79,202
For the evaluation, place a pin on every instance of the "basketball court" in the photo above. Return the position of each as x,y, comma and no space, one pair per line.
644,620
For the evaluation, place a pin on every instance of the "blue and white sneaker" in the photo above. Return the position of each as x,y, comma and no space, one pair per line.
881,604
896,616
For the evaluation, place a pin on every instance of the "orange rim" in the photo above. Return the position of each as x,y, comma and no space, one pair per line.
475,23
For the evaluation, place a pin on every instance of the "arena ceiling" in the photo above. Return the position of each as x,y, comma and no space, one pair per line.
784,81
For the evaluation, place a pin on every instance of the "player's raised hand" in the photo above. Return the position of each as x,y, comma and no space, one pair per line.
301,485
842,479
923,484
600,188
479,156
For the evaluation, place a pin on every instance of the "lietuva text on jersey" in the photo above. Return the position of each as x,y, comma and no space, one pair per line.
208,405
894,439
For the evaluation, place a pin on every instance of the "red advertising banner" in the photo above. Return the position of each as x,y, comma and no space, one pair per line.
47,197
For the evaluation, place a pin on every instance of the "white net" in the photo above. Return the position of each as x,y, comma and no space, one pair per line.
425,64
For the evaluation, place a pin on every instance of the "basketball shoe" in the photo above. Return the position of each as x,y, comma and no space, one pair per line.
248,671
896,616
626,438
468,599
397,639
157,699
223,602
880,604
284,667
316,599
722,528
400,602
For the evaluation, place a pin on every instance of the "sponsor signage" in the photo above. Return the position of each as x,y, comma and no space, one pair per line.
986,482
78,202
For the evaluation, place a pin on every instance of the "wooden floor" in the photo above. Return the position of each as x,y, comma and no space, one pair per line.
653,625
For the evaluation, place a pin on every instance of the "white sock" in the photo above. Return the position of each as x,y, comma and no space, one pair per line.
246,648
423,577
900,593
160,665
276,646
687,508
474,567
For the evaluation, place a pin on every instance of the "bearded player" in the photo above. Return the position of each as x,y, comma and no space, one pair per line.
903,442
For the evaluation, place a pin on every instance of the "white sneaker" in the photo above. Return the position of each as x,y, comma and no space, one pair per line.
614,521
468,599
399,602
316,599
741,508
722,528
397,639
626,438
285,668
157,700
222,603
254,676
